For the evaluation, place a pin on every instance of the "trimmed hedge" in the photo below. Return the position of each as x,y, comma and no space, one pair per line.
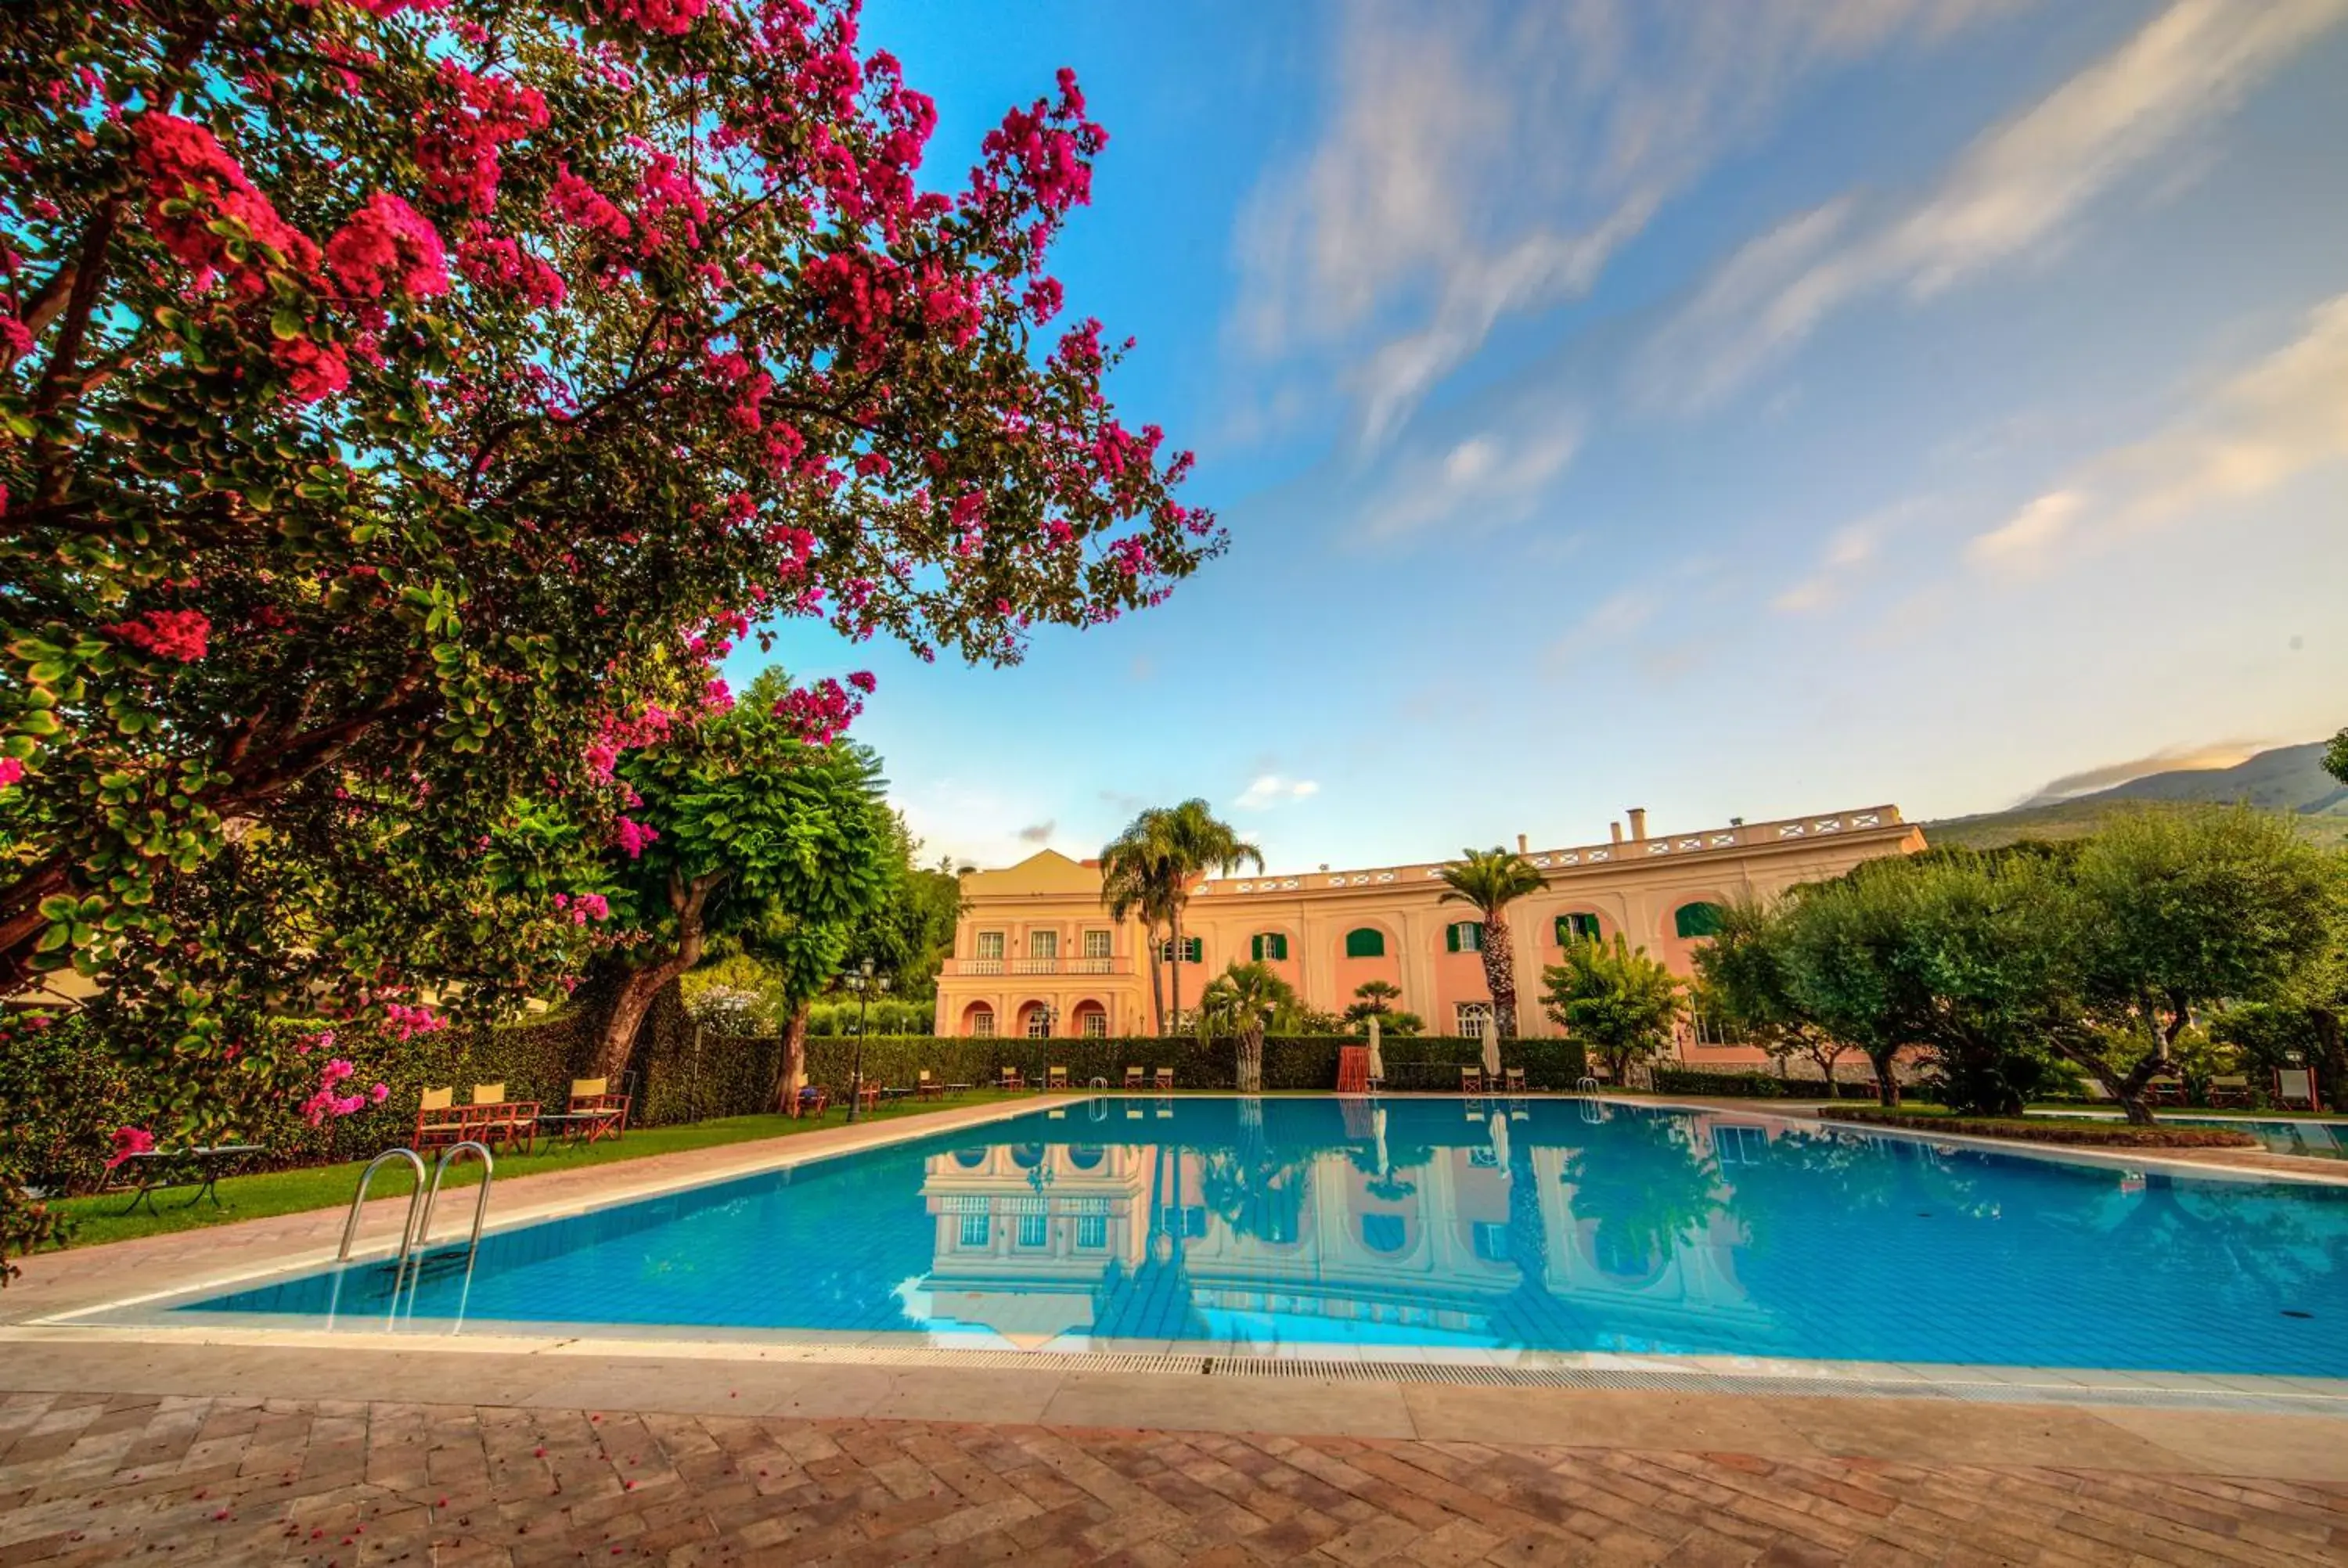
1748,1085
65,1084
2052,1130
732,1075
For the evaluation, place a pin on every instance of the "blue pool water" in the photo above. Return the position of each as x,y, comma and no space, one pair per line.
1555,1225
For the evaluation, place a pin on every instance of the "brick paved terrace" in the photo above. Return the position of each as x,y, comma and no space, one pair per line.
97,1478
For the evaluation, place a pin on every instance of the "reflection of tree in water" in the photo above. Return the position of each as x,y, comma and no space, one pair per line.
1647,1187
1530,1314
1151,1301
1256,1194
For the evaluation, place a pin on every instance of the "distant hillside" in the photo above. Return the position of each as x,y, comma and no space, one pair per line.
2288,779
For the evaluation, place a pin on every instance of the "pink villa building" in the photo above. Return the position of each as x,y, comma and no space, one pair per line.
1036,955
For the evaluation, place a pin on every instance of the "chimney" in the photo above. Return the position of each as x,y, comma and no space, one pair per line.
1615,828
1520,844
1638,824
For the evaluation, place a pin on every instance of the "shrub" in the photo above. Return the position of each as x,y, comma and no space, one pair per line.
1744,1085
734,1076
2054,1130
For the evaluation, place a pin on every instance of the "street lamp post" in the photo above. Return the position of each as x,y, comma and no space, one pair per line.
1044,1052
863,982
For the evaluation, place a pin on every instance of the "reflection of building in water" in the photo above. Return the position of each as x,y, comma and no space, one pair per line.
1032,1241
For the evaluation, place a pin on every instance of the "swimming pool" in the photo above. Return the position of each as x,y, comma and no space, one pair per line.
1286,1225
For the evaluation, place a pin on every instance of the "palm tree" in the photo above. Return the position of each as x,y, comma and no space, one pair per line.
1489,879
1138,877
1196,842
1244,999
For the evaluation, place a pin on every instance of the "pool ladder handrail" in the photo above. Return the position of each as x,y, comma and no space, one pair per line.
413,1235
358,1201
1586,1084
481,1203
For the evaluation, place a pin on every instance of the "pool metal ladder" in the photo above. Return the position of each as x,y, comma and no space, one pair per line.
414,1235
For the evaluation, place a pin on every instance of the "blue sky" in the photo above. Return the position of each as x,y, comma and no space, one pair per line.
1728,409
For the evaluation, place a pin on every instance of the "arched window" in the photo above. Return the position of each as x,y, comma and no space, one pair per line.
1579,926
1464,936
1365,942
1035,1021
1092,1021
1268,945
979,1021
1384,1233
1696,920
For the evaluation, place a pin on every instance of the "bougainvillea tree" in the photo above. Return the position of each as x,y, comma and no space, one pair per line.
405,403
742,822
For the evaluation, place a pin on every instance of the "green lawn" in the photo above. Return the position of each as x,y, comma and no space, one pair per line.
96,1219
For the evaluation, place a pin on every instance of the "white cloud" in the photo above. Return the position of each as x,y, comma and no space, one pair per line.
2279,418
2018,190
1268,790
1483,161
1850,549
1615,620
1489,478
2025,539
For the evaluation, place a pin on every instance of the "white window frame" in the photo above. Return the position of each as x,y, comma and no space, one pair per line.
1092,1023
982,1024
990,946
1036,1023
1470,1017
977,1230
1044,944
1038,1227
1096,944
1092,1232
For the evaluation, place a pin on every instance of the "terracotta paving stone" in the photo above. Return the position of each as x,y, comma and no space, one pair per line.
90,1478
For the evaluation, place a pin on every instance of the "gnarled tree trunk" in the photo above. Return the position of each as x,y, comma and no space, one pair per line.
791,1073
637,991
1887,1080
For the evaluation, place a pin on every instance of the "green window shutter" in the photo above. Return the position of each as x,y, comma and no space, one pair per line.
1576,928
1564,930
1280,947
1451,937
1366,943
1197,954
1255,948
1697,919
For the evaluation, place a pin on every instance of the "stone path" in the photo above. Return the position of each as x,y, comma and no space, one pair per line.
110,1478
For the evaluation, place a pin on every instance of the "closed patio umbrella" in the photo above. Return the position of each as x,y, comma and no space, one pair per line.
1491,1046
1380,1124
1500,1138
1377,1058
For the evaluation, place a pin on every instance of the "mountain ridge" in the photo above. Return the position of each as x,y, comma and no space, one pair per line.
2289,779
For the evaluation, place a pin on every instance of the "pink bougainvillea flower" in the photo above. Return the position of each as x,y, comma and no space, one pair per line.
388,248
314,371
177,634
182,164
632,837
11,771
407,1023
129,1141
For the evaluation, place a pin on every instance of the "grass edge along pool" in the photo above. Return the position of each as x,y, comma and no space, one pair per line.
1421,1225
